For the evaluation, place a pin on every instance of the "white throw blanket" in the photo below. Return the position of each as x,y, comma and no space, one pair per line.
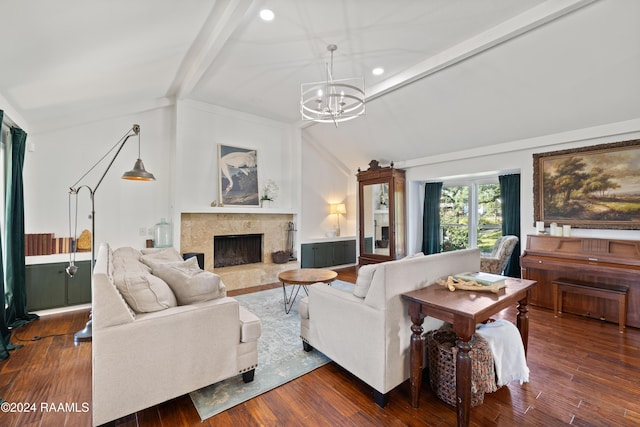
508,352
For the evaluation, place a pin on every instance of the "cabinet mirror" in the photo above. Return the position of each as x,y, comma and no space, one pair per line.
375,209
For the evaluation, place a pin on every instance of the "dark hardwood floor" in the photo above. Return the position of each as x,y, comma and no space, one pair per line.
583,372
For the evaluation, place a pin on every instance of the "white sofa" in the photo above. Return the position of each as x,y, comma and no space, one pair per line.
368,331
141,359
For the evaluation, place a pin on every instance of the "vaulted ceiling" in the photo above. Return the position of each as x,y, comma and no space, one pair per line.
459,74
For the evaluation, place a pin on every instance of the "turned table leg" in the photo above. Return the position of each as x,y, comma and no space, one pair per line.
416,353
522,321
463,381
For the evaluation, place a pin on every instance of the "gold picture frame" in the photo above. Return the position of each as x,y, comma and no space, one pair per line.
589,187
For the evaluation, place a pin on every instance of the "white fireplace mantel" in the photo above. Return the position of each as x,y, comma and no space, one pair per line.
242,210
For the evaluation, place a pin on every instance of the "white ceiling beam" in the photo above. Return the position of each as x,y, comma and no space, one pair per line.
512,28
223,20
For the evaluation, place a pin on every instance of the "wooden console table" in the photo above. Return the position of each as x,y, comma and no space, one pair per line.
464,310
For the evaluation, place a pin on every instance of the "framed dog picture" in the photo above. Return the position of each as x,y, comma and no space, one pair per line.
238,176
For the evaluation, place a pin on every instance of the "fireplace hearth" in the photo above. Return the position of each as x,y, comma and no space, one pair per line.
237,249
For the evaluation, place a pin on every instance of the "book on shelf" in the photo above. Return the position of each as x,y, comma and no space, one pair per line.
46,244
482,278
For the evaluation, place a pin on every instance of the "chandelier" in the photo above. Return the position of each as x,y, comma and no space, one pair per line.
332,101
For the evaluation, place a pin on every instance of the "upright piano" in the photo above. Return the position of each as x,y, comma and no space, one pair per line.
608,261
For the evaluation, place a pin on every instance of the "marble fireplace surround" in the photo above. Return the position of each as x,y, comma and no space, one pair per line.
198,229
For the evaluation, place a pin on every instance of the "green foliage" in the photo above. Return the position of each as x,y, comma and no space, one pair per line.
454,217
454,238
487,239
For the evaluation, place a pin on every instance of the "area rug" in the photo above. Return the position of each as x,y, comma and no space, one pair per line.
280,354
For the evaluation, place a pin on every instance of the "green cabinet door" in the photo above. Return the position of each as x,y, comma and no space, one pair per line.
344,252
46,286
49,285
316,255
328,254
79,286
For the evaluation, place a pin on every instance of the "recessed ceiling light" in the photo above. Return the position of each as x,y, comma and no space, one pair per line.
377,71
267,15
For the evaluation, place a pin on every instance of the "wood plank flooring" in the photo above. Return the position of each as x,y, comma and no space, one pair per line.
583,373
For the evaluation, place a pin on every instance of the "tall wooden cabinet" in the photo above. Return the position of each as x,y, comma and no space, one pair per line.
381,214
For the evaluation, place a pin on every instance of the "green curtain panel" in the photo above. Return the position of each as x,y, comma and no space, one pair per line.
5,334
431,218
15,280
510,194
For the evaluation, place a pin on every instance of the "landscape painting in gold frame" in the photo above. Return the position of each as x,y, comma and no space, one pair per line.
589,187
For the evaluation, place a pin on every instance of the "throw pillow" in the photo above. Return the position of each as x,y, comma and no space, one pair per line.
145,293
189,283
363,282
127,252
123,265
161,256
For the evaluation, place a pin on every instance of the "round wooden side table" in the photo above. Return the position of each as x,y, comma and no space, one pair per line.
300,278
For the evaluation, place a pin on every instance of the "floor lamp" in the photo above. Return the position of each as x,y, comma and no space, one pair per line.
138,173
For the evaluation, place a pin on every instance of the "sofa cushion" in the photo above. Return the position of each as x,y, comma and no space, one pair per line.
160,256
189,283
144,292
363,282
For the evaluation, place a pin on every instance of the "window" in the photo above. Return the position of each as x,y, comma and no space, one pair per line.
470,215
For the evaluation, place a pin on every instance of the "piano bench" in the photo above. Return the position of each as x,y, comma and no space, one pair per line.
598,290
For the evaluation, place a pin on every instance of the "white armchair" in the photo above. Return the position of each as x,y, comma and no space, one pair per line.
368,331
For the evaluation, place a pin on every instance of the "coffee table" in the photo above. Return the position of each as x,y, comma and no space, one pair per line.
300,278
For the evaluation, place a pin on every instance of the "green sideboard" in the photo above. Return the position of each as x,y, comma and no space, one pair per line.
328,254
49,285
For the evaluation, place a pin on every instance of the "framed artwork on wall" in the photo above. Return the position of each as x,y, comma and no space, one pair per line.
238,176
589,187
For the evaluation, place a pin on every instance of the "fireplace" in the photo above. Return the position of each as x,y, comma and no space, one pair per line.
237,249
198,229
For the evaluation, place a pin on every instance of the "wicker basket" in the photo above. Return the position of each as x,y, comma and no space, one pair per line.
280,257
442,351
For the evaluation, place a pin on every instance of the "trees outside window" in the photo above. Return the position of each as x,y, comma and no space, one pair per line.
470,215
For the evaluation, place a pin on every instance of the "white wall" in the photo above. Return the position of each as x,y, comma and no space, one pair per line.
201,127
509,157
61,157
325,180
